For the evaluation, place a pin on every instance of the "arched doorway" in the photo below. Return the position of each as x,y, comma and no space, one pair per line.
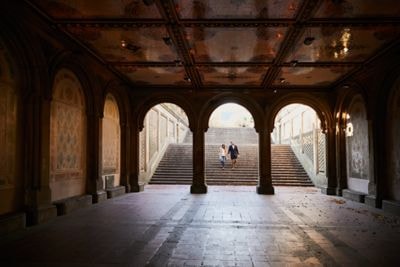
111,144
231,125
11,184
166,146
298,148
67,137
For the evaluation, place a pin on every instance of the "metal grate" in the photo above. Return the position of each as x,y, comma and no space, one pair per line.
321,152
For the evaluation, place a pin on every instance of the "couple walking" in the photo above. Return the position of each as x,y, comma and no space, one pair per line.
233,151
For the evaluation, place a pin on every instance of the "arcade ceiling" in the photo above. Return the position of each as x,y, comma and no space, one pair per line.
253,44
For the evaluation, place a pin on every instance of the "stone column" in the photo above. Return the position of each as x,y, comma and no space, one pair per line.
331,162
95,185
124,156
134,161
372,199
264,151
37,150
341,164
198,184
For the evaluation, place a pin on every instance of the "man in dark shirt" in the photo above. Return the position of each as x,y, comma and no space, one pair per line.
233,151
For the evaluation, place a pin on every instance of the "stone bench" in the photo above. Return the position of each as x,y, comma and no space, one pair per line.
354,195
391,206
115,191
67,205
12,222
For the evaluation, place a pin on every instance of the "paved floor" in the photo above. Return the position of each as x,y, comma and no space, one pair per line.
229,226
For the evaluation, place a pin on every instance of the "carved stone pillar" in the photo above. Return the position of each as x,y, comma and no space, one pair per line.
332,186
264,151
37,172
94,141
341,164
373,197
124,155
198,184
134,161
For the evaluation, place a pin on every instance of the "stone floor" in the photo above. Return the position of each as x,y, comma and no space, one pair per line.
229,226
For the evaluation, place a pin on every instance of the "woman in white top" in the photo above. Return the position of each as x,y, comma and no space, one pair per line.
222,155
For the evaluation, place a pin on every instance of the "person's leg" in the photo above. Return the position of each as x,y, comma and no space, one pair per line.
223,162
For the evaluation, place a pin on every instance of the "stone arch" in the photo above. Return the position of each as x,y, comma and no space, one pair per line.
70,61
67,136
122,99
142,109
111,140
346,93
252,106
320,106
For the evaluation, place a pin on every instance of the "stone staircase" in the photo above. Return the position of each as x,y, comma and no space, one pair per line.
176,165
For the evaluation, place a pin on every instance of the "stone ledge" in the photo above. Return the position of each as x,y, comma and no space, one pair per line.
391,206
11,223
354,195
115,191
330,191
99,196
265,190
198,189
371,201
65,206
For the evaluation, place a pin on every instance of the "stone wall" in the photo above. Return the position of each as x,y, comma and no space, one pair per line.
67,137
357,147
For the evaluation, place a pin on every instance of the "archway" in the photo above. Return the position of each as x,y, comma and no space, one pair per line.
166,146
11,184
298,148
111,143
231,125
67,137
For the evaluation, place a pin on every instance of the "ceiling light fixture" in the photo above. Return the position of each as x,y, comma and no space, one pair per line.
282,80
187,79
167,40
294,63
309,38
131,47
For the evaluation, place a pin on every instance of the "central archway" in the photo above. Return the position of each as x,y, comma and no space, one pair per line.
231,147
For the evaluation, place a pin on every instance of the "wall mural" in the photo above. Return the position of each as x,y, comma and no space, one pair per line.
357,141
67,137
8,121
111,139
394,147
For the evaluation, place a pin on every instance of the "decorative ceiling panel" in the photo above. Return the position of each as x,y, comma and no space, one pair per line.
342,44
155,75
311,76
259,44
74,9
232,76
230,9
133,45
358,8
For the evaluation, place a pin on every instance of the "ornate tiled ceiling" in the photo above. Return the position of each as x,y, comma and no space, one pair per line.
204,44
